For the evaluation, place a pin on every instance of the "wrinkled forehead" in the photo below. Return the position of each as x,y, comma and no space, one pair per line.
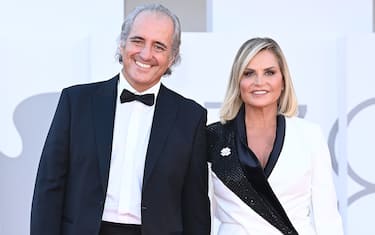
153,17
153,26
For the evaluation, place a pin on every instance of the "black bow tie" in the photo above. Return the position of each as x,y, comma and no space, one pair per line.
127,96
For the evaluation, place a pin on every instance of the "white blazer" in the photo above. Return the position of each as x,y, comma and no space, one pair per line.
301,180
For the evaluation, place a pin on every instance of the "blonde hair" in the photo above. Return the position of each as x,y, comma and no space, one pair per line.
232,103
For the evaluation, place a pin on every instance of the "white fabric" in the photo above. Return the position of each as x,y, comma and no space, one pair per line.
131,134
302,180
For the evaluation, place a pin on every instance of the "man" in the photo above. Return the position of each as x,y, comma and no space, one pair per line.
114,165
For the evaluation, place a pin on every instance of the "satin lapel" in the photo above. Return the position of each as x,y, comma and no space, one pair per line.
163,121
103,106
252,169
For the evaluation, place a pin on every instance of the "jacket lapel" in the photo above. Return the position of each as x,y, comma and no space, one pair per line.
164,117
103,106
229,170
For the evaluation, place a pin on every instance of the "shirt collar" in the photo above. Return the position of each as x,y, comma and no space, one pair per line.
124,84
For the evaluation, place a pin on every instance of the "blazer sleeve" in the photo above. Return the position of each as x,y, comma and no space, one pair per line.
195,200
324,201
47,203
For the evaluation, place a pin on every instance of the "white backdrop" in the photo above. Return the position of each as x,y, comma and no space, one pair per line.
360,110
58,45
45,45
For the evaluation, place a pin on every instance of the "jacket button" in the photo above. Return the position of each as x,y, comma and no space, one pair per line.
143,208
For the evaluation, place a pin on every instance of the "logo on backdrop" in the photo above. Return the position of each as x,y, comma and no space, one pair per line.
368,187
32,118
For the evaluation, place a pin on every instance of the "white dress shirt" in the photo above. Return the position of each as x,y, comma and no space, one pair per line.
131,134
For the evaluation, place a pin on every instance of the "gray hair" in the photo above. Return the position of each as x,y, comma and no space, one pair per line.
128,24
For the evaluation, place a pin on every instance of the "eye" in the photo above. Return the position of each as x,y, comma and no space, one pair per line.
269,73
137,41
248,73
159,47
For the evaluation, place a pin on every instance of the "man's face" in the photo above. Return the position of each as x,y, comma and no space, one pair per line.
148,50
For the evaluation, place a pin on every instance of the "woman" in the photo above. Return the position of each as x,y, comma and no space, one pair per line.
271,171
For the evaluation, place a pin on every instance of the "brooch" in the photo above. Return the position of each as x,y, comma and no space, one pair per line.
225,152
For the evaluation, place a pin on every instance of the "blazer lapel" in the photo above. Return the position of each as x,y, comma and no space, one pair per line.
103,106
164,117
229,170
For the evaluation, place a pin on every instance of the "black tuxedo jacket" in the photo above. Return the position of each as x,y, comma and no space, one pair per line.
73,172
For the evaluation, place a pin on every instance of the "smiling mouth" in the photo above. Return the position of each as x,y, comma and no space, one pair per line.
259,92
145,66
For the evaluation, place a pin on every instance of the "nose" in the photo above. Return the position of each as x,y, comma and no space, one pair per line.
146,52
258,79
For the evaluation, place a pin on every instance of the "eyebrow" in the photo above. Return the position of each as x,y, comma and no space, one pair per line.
156,42
136,37
272,67
268,68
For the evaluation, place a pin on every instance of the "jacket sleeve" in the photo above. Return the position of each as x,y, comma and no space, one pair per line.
47,203
195,200
324,201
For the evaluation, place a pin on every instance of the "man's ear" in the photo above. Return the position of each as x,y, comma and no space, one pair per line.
171,60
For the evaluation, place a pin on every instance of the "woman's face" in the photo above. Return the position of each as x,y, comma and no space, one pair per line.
262,82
